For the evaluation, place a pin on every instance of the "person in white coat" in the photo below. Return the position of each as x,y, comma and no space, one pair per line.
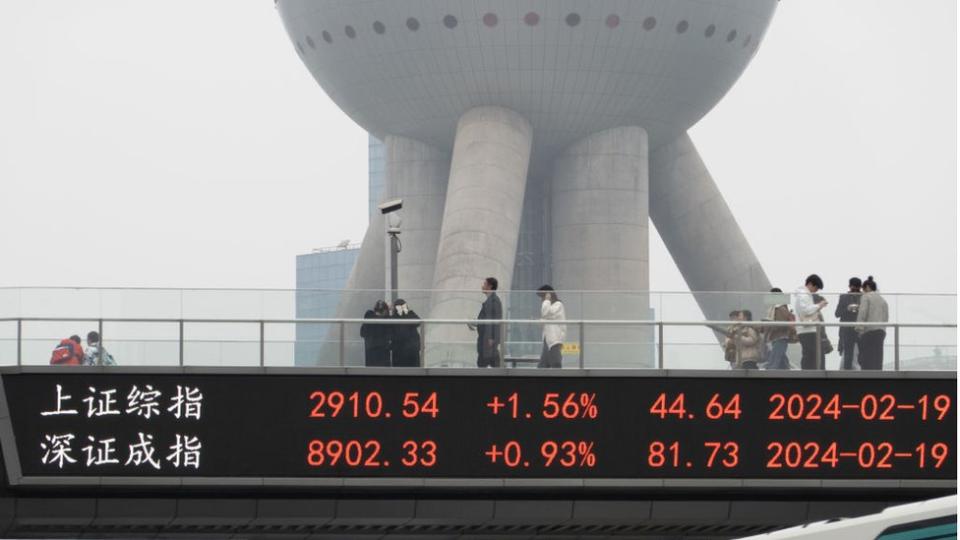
808,311
551,309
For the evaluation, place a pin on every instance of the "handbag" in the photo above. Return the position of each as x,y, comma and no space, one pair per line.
825,346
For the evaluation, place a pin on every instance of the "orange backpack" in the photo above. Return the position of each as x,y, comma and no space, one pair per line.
67,353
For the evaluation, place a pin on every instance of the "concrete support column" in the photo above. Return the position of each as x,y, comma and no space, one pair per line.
600,242
417,173
701,233
481,223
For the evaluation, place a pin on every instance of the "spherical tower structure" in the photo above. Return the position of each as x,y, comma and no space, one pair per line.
564,117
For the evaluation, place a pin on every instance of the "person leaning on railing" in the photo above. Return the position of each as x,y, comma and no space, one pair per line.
873,309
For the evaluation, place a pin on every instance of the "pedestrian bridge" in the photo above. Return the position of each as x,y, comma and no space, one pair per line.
280,328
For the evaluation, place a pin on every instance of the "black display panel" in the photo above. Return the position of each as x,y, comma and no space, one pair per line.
340,426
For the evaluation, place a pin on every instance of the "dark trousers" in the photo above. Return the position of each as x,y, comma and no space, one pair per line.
808,348
871,349
848,343
487,356
551,357
407,356
377,356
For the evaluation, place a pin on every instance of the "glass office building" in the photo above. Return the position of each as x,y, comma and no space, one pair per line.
322,275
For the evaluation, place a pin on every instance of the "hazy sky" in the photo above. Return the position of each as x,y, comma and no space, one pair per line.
182,143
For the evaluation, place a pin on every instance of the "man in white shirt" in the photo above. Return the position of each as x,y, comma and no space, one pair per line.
808,311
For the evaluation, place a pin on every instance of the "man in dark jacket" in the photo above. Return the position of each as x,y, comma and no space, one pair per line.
376,337
847,312
488,335
406,337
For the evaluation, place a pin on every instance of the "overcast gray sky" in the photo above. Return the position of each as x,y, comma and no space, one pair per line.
181,143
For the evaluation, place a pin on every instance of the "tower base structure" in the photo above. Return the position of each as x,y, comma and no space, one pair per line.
464,215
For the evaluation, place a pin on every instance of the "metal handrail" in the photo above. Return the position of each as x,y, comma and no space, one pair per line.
501,292
717,326
595,322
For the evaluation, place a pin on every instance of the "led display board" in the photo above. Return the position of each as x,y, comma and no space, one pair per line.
74,425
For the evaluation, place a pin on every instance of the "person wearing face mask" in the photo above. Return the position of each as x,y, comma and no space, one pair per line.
551,309
406,337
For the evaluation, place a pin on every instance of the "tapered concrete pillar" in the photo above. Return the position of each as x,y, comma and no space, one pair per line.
481,223
364,287
417,173
600,241
701,233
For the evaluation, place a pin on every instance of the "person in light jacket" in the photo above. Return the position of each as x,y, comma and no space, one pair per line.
807,310
551,309
749,346
873,309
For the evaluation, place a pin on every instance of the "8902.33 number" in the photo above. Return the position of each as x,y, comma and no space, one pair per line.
367,454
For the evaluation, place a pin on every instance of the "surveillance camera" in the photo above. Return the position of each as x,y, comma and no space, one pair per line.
390,206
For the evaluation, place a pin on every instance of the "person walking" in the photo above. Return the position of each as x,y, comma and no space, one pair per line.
809,311
551,309
406,337
376,337
488,334
873,309
846,311
778,337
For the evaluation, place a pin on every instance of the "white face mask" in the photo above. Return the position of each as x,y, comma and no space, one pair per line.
402,310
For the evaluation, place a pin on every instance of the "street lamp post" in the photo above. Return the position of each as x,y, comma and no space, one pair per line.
391,210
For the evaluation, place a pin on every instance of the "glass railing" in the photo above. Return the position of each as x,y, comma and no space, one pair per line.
234,327
448,343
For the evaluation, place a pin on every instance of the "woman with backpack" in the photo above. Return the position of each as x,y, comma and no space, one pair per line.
779,336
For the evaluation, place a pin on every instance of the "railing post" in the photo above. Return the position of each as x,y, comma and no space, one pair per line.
180,339
503,343
19,342
660,345
100,330
736,344
583,328
261,343
343,343
819,350
423,344
896,348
